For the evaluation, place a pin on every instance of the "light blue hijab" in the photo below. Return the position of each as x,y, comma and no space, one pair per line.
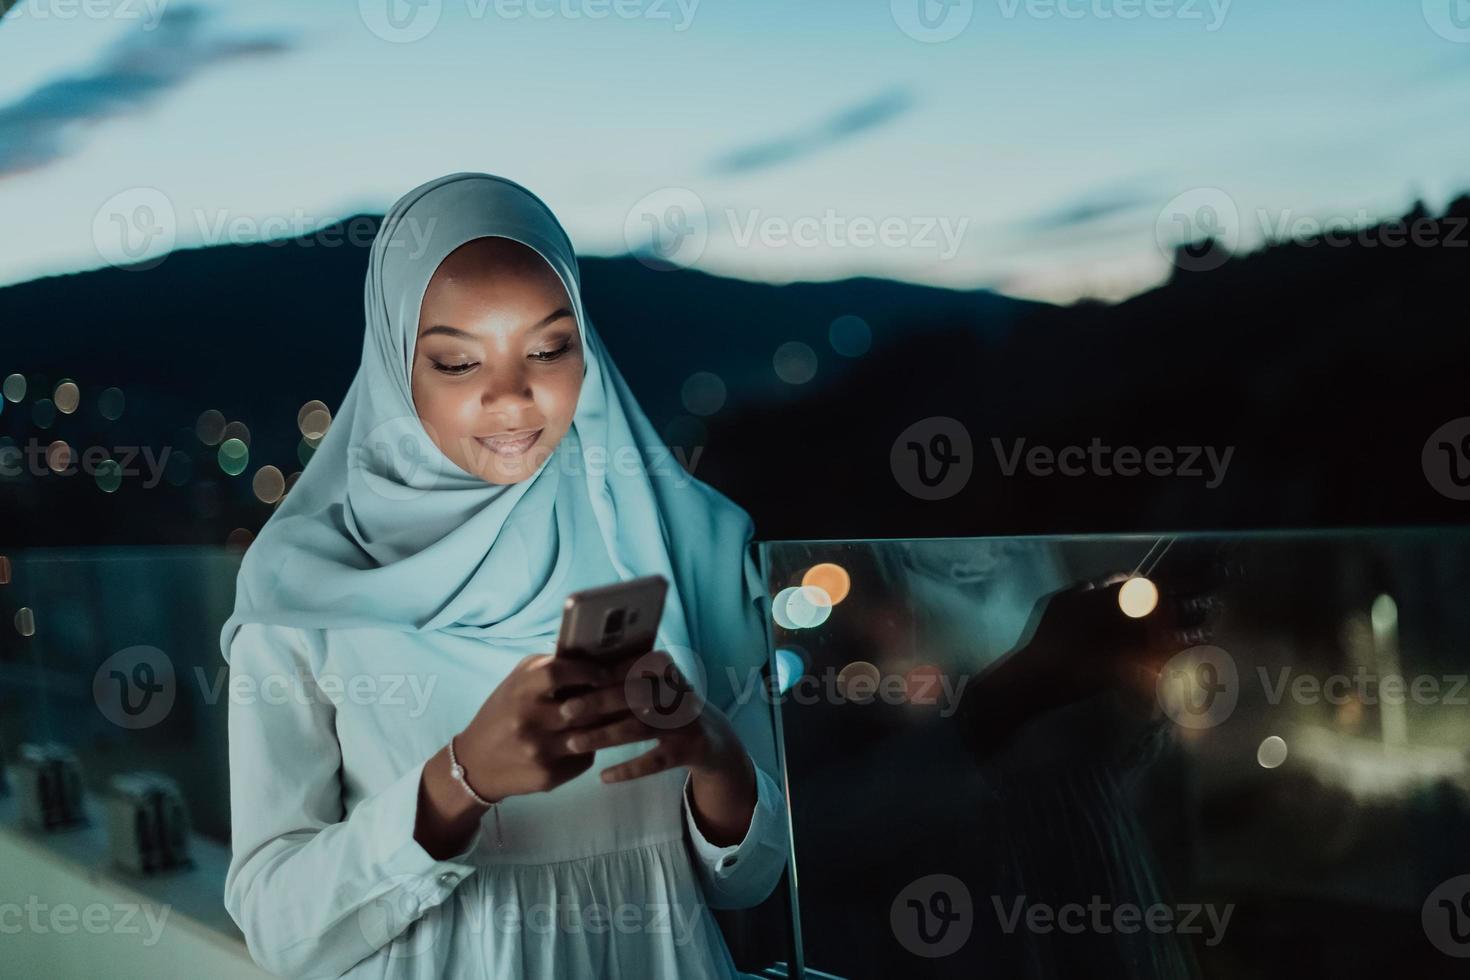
383,530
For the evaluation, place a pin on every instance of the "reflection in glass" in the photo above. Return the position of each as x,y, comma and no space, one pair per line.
1239,754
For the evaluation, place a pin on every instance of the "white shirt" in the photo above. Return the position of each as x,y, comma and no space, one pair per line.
329,731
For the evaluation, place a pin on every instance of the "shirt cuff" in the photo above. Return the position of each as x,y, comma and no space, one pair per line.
721,862
404,858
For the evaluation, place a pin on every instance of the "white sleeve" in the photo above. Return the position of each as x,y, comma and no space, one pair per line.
313,889
742,875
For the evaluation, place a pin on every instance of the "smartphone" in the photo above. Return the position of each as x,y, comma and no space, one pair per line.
1197,568
613,621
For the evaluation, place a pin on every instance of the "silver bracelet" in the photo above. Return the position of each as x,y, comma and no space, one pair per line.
457,772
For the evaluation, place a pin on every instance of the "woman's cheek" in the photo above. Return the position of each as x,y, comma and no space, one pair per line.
464,405
571,391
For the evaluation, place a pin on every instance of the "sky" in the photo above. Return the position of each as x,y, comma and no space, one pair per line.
1048,149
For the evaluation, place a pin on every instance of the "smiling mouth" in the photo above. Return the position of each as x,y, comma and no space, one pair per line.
508,446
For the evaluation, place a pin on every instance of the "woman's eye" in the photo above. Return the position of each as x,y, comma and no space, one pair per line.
551,355
453,368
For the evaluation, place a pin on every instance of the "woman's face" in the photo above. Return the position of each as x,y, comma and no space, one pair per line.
497,365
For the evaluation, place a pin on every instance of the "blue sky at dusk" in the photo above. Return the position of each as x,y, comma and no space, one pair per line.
1041,150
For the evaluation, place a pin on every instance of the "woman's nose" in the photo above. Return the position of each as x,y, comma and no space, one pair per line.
506,385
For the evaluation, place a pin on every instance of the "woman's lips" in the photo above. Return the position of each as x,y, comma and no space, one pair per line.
510,446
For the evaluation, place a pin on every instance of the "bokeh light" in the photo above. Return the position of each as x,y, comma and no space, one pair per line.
778,608
58,456
110,404
859,681
1272,752
25,621
269,484
108,475
234,456
239,539
795,363
1384,615
703,393
67,396
808,606
790,665
831,578
850,336
14,387
313,419
211,427
4,570
1138,597
43,413
236,430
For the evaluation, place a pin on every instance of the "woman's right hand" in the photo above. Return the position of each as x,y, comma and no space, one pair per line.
515,744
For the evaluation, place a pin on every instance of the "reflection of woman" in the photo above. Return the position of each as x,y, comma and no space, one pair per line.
1060,824
487,460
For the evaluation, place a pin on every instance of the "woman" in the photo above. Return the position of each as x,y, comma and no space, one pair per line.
401,603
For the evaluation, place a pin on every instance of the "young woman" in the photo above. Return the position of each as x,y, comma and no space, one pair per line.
412,792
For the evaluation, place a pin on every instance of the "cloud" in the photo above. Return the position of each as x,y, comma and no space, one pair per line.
1089,209
860,118
46,124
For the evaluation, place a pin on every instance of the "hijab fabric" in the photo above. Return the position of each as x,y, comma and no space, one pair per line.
383,530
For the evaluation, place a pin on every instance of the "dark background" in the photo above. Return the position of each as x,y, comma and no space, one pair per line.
1325,366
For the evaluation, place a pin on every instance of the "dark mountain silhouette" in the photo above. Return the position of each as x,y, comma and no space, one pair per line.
1324,366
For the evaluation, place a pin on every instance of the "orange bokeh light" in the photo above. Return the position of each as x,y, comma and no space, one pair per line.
830,578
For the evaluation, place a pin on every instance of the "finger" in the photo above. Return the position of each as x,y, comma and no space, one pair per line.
591,707
534,661
1104,581
1169,638
622,731
653,670
554,674
648,662
1201,607
1190,614
662,696
666,755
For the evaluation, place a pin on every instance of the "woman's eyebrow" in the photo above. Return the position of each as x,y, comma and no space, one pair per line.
456,332
553,317
452,331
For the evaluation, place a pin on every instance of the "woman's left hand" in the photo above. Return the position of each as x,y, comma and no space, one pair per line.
648,697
